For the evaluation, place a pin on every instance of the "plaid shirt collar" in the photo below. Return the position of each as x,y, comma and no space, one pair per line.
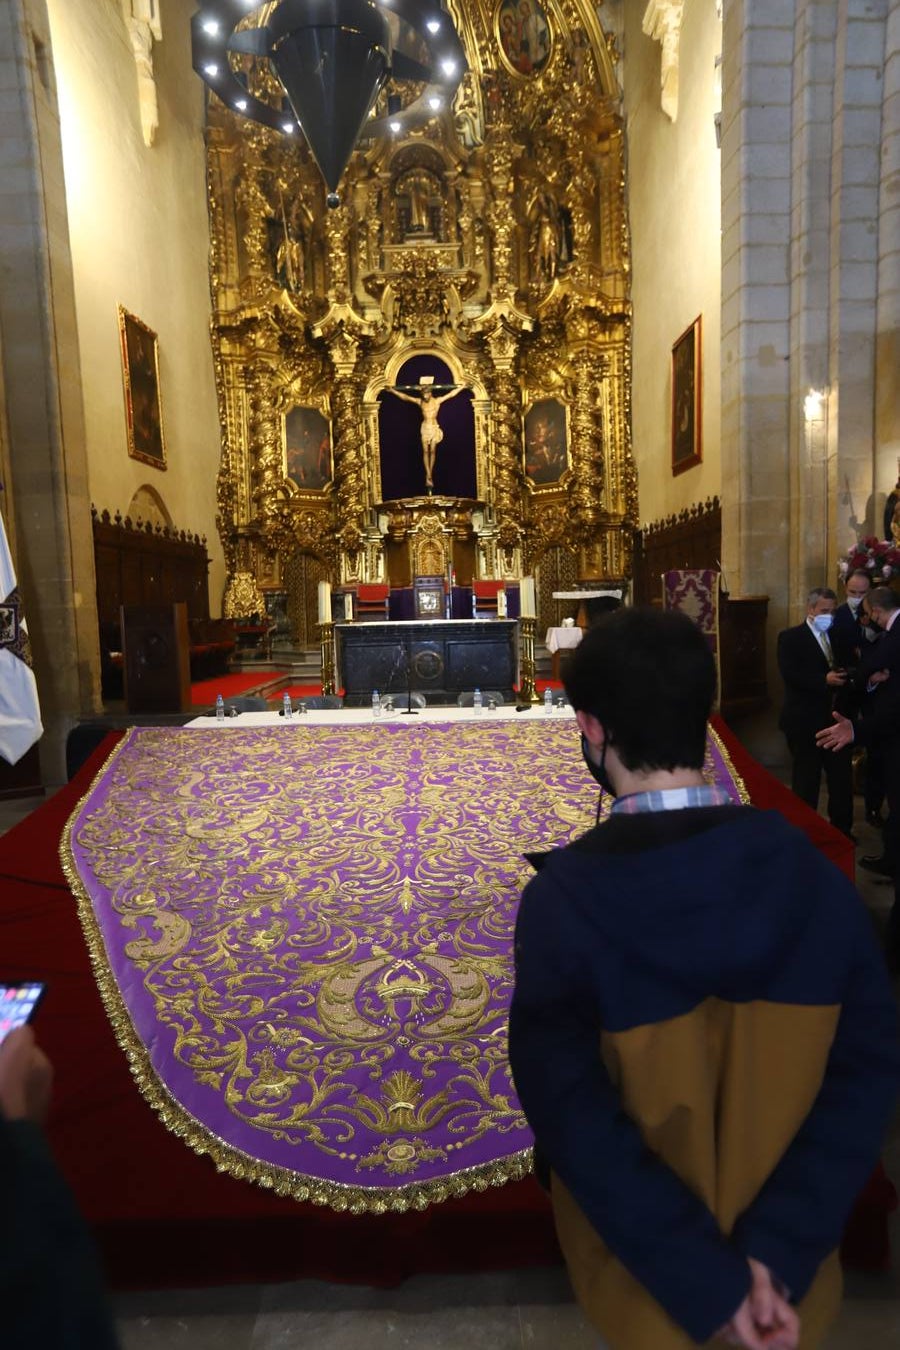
671,799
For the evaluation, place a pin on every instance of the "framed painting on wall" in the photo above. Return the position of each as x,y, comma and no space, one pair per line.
307,448
687,444
140,373
546,442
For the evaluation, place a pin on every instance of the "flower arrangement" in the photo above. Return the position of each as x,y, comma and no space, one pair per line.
879,557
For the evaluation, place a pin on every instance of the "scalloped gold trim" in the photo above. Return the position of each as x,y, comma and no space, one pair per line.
280,1180
736,778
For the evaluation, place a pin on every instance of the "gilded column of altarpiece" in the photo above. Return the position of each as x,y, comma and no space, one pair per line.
491,242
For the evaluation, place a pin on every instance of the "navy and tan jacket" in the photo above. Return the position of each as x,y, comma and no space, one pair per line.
704,1041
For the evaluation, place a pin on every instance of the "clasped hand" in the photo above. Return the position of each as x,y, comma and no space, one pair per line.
765,1320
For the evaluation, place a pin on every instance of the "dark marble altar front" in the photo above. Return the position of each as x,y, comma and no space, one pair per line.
437,657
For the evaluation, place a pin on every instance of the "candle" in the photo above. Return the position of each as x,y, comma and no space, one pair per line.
324,602
526,598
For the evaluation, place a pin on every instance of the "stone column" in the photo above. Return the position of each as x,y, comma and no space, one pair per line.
808,158
854,243
758,44
887,339
46,502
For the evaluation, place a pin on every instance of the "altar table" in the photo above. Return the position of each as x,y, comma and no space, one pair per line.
439,658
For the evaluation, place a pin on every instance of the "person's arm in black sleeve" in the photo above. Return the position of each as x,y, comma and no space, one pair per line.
658,1228
797,1218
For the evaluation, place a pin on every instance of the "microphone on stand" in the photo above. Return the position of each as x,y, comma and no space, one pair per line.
409,710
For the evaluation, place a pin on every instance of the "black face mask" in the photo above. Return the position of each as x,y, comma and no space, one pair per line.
597,771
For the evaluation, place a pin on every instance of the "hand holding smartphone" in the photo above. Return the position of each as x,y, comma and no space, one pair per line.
18,1004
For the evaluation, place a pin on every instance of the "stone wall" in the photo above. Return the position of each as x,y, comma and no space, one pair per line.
809,221
139,232
674,216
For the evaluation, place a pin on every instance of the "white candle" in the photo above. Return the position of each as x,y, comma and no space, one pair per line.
526,598
324,602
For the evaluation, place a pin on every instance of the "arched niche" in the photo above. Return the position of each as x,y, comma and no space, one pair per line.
401,458
148,505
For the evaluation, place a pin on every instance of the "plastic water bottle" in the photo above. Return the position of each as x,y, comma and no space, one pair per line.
548,700
376,703
477,702
288,706
220,708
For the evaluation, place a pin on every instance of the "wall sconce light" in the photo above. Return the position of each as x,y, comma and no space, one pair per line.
814,405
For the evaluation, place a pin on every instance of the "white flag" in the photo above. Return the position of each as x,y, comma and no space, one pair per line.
20,711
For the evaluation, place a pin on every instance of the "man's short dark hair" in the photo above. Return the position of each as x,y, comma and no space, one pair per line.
883,597
649,677
858,572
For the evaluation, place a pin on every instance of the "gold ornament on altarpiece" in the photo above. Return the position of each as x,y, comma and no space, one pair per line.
493,239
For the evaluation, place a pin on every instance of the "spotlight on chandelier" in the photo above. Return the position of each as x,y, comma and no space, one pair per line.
331,59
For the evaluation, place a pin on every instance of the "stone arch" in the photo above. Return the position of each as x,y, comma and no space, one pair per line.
147,505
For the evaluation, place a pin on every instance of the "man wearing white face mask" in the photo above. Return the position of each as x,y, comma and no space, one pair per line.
851,641
812,680
849,636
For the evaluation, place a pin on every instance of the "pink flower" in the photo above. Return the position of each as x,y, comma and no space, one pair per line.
886,571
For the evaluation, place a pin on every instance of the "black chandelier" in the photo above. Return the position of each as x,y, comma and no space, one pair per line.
332,59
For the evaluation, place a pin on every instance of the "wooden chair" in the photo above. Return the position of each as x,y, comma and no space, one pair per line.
372,601
484,597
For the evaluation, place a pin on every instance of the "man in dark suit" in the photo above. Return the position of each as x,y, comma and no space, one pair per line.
851,639
848,635
812,680
879,725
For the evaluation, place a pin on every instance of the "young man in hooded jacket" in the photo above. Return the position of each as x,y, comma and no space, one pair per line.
702,1036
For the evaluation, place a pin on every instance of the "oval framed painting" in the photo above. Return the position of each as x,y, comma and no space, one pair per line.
523,35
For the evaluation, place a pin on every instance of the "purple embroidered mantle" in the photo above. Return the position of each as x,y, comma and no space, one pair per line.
303,936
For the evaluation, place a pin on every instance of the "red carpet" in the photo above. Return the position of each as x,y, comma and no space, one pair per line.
162,1215
241,682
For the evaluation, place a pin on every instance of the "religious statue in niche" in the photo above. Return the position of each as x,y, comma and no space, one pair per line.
418,192
307,448
290,264
524,35
544,250
550,244
430,430
578,54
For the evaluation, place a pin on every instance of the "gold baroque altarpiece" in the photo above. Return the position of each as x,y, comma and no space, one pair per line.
493,240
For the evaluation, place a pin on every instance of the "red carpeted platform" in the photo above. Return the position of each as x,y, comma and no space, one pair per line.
205,692
162,1215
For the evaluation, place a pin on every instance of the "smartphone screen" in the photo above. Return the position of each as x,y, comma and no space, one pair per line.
18,1003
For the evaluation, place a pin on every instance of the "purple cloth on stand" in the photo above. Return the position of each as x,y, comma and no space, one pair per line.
305,934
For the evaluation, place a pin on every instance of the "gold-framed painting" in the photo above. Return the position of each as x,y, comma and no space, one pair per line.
523,35
306,434
140,375
687,428
546,442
